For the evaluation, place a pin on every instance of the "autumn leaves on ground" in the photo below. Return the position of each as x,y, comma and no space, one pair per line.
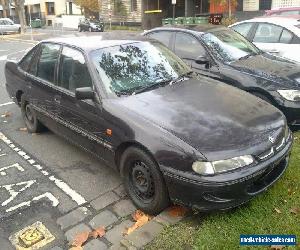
277,211
138,216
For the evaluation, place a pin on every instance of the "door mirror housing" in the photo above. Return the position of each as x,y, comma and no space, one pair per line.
85,93
202,60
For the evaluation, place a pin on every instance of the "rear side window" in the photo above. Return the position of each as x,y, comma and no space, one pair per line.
243,28
73,71
48,61
286,36
163,36
26,61
267,33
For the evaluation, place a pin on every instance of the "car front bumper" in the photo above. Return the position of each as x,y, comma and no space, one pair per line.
228,190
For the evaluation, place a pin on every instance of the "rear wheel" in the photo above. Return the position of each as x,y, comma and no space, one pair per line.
29,115
143,181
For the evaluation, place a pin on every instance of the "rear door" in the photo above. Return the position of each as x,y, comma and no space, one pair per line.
83,119
41,83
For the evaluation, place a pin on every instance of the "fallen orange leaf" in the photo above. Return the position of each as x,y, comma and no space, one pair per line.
137,214
80,238
141,219
177,211
98,232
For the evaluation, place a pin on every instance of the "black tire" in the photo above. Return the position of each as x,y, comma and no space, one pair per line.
143,181
19,31
79,29
29,116
90,29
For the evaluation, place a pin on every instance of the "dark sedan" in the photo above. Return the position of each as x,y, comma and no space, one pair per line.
90,25
225,55
171,134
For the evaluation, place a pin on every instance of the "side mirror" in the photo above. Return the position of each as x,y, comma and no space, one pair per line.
202,60
85,93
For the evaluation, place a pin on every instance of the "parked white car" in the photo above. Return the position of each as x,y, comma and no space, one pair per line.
8,26
277,35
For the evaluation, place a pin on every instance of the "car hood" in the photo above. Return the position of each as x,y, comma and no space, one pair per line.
216,119
277,73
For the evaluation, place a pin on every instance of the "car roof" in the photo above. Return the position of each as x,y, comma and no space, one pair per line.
204,28
288,23
282,21
89,43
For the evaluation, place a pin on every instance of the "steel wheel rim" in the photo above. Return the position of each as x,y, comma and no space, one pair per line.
141,181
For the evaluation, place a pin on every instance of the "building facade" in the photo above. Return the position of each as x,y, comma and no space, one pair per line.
48,10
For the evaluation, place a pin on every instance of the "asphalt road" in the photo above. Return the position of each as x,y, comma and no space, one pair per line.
42,176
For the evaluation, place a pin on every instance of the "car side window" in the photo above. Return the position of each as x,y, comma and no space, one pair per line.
188,47
48,61
243,28
286,36
267,33
73,72
162,36
26,61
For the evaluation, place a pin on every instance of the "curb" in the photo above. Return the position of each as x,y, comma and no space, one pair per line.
147,233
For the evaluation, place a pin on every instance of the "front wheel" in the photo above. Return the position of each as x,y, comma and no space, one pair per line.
143,181
29,116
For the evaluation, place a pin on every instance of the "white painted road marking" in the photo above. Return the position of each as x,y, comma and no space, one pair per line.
5,104
47,195
59,183
13,193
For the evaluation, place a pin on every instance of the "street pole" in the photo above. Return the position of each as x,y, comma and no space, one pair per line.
173,3
30,22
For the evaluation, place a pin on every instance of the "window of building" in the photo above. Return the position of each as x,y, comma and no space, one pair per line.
48,61
133,5
50,8
73,71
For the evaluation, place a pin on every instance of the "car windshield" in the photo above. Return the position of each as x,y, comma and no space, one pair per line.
130,68
228,45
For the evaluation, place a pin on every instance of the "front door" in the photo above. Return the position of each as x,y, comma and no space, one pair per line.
189,48
83,119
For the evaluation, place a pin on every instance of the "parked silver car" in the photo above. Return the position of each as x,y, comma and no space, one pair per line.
8,26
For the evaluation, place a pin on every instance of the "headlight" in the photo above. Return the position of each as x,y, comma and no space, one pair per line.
291,95
214,167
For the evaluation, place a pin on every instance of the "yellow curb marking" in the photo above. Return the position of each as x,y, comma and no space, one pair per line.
32,237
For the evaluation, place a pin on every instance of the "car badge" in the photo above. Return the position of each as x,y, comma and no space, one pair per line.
271,139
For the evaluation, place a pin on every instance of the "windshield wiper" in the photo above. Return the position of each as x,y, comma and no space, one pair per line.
181,77
247,56
149,87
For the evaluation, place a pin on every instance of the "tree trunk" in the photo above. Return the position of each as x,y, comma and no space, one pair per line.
229,8
20,9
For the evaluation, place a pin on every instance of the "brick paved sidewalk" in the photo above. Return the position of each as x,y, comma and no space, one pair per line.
113,211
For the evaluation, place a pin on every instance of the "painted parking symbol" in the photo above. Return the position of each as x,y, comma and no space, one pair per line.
18,190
